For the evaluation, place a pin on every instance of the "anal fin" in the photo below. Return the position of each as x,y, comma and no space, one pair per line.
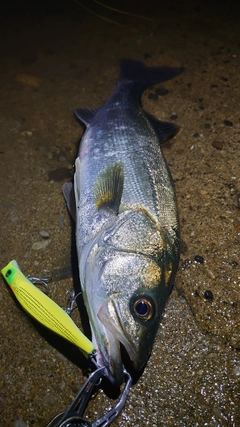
86,115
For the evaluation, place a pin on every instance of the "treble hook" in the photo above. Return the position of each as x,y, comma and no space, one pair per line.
71,299
40,281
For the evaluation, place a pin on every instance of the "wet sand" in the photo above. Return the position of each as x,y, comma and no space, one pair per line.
56,57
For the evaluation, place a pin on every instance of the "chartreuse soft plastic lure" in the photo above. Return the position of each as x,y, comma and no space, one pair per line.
43,308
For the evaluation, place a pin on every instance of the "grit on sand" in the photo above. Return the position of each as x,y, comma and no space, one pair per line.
56,57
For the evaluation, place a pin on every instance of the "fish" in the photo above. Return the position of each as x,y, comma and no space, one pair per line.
127,227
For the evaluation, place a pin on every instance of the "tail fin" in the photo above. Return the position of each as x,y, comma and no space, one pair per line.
138,72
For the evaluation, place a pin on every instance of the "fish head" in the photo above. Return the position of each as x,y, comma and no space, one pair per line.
125,294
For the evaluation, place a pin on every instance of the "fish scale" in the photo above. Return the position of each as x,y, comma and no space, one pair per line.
138,158
127,232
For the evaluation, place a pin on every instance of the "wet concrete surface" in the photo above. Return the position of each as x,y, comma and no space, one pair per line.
56,57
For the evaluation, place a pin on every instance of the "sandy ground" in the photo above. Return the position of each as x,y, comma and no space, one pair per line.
54,57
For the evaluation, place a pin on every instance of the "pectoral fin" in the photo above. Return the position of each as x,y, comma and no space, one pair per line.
108,188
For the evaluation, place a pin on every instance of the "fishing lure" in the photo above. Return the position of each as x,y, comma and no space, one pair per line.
53,317
44,309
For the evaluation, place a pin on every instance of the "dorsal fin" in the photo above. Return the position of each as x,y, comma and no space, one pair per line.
164,130
108,188
86,115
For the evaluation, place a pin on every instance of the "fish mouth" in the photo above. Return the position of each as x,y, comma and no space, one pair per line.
110,352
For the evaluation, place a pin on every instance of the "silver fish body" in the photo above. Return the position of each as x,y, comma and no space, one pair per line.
127,230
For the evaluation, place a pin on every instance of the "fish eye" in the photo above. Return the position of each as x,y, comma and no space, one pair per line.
142,307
